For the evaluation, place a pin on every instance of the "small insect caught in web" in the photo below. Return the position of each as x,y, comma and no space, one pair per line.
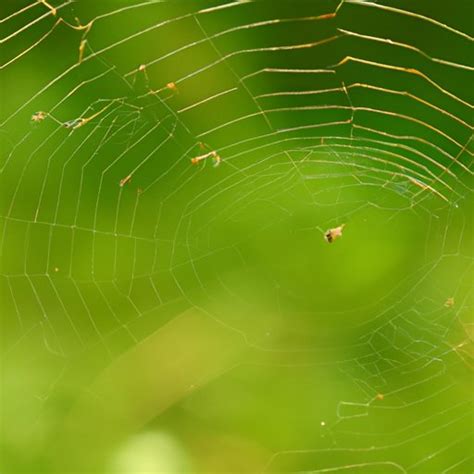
449,303
82,48
125,180
216,158
79,122
332,234
172,87
38,116
75,123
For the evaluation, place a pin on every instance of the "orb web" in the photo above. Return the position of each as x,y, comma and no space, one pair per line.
169,170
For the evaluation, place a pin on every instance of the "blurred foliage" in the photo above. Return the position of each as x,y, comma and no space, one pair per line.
159,316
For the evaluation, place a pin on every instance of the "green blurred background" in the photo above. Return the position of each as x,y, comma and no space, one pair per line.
195,319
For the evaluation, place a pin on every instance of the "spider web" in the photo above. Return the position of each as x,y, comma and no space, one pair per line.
169,170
